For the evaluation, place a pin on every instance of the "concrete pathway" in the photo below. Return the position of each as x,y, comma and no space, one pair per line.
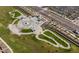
68,45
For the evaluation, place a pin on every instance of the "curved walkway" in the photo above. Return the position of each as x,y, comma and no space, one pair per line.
59,38
56,45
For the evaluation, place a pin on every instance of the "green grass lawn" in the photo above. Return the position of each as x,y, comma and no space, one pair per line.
17,14
26,43
46,38
26,30
56,38
14,13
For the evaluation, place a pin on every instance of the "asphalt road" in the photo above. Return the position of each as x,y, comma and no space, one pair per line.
66,23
